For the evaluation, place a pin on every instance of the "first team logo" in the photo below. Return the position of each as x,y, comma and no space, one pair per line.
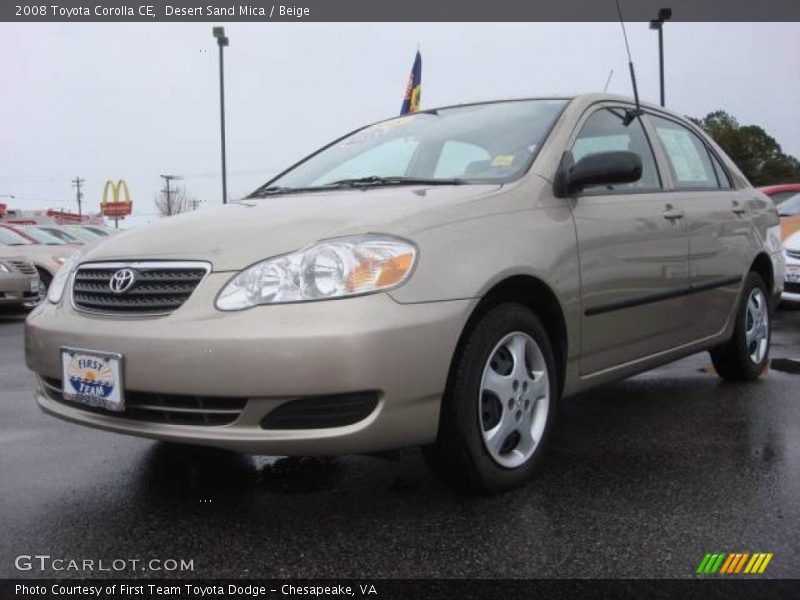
90,376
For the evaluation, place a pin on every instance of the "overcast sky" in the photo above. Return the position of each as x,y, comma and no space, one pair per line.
133,101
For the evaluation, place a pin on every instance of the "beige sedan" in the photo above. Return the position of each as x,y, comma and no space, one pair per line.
47,258
19,282
441,280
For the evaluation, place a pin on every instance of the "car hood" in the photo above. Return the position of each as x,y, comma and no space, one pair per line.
239,234
40,254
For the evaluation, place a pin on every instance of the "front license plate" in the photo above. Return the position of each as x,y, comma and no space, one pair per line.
34,285
92,378
793,274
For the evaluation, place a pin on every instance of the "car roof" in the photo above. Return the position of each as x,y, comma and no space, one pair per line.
582,99
783,187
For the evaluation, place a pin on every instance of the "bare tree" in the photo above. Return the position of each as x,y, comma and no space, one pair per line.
178,200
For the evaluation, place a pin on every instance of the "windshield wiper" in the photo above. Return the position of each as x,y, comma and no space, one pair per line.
358,182
375,180
275,190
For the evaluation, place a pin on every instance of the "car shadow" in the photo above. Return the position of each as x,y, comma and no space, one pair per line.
12,315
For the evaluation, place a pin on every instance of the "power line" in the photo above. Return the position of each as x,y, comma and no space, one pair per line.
76,183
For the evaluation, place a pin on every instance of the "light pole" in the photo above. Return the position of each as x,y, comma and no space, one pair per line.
664,14
222,41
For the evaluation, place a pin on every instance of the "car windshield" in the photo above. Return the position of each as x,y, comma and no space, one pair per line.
790,207
62,235
11,238
42,236
95,230
478,143
84,233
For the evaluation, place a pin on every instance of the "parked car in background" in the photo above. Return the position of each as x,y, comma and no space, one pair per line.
789,213
38,235
98,229
440,279
19,280
791,285
780,192
48,258
73,234
58,232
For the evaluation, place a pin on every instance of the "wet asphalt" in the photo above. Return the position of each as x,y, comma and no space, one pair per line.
643,478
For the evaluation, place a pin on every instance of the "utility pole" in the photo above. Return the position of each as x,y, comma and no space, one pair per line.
168,192
77,183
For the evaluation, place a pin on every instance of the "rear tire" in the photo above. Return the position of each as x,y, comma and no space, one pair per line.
499,406
745,356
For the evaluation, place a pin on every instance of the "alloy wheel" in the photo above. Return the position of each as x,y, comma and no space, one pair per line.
514,399
756,329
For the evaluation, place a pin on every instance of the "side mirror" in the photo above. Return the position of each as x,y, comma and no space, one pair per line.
601,168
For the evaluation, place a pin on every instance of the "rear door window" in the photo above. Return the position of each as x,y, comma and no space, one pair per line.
688,157
722,175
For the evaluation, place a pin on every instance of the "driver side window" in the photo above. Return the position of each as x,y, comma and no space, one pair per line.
604,131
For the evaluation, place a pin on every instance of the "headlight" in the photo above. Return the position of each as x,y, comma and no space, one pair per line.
337,268
62,277
4,269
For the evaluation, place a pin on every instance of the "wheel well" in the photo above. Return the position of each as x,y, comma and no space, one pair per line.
536,295
763,266
44,274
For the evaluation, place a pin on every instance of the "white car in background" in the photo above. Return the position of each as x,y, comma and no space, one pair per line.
791,284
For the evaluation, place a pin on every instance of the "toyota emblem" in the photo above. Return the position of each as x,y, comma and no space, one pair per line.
122,281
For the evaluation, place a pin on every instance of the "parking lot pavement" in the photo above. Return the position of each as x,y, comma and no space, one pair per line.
644,477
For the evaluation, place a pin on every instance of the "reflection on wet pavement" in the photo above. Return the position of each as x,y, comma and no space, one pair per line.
643,478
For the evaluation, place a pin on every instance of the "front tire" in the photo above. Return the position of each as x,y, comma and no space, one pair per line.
44,282
499,406
745,356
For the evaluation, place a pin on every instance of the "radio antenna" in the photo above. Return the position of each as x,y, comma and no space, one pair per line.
610,75
630,115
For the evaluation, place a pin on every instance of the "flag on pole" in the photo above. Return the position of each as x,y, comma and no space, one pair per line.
414,87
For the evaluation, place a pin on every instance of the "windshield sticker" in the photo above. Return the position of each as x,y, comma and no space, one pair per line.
504,160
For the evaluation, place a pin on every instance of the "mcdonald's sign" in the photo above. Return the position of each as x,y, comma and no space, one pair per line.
116,208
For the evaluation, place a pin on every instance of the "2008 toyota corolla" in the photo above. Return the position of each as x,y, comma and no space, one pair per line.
441,279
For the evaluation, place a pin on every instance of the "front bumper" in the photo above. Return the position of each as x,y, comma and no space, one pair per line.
268,355
791,289
18,288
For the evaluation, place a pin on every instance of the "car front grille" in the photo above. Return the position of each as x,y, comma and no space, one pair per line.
793,253
791,287
157,287
23,266
174,409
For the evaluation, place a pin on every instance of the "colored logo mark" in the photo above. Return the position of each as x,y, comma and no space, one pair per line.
90,376
734,563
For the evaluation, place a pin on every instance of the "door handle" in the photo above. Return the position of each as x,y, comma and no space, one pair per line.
672,214
737,208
